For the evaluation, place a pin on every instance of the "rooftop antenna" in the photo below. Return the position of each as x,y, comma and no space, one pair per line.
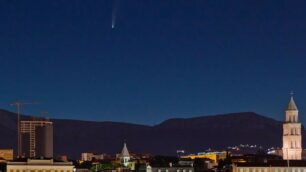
18,105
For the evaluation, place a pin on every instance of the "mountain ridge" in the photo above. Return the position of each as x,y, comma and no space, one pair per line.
194,134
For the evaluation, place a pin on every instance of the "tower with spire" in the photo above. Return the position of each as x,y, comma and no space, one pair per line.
292,138
125,156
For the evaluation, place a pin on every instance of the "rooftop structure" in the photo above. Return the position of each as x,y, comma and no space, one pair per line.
271,166
40,165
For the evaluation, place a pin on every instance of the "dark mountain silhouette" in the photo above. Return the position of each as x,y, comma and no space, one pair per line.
72,137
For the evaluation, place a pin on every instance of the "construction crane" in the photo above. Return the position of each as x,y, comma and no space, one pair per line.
18,105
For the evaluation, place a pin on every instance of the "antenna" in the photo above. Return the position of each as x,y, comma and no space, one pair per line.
18,105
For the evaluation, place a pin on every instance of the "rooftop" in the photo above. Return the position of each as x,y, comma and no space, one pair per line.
274,163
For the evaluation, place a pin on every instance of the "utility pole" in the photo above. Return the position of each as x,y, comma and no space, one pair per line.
18,105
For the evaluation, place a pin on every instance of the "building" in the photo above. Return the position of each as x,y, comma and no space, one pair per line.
271,166
88,156
36,138
63,158
169,169
40,165
292,137
125,156
7,154
214,156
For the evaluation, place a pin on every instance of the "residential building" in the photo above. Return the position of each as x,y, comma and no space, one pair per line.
88,156
36,138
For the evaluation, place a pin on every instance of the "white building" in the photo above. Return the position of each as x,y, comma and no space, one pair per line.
292,138
125,156
38,165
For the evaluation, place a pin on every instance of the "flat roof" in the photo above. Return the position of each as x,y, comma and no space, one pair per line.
274,163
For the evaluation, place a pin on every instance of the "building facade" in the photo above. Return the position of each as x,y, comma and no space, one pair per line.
7,154
271,166
268,169
88,156
38,165
169,169
36,138
214,156
292,136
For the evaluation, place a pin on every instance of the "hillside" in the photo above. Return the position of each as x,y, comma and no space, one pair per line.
72,137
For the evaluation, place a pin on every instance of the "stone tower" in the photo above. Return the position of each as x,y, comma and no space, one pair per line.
292,138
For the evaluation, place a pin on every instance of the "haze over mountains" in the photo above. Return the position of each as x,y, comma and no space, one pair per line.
71,137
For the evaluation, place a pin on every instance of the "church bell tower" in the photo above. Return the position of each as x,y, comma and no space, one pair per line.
292,136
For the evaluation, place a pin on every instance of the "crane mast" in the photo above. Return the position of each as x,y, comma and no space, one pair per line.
18,105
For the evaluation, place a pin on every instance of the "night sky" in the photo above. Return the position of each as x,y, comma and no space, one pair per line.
163,59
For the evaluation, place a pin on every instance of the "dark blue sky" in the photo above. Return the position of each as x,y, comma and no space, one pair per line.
175,58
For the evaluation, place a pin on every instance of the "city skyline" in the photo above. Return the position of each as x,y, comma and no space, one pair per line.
161,60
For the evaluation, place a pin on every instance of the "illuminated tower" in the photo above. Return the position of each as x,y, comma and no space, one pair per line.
125,156
292,138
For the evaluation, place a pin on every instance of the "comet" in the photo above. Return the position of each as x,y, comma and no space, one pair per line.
114,13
